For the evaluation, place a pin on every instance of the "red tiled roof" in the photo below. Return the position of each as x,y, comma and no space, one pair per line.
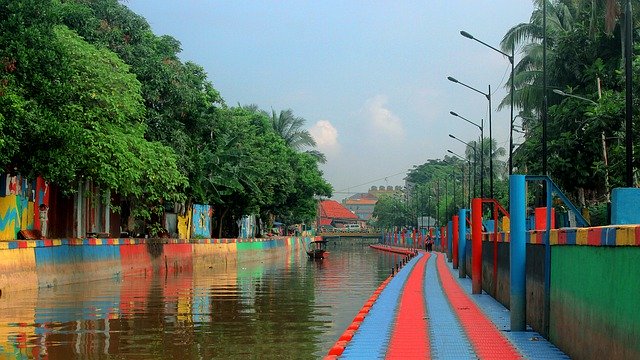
324,221
334,210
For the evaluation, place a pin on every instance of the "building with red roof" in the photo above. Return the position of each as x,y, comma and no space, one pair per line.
333,213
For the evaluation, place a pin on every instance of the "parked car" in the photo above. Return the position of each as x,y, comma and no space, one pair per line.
327,228
353,227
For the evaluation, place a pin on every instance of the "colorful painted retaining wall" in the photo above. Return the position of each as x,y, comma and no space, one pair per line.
31,264
18,204
594,288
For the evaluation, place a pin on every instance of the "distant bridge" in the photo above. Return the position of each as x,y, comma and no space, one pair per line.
349,234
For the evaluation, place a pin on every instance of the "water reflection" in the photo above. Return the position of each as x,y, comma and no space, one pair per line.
285,307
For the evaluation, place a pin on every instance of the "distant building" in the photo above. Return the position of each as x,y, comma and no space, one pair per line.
379,191
361,204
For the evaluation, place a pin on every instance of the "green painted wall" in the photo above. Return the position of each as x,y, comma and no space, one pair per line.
595,301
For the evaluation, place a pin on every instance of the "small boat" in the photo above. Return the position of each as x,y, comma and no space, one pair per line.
317,249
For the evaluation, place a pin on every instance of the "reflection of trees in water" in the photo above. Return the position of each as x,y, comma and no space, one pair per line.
277,322
283,307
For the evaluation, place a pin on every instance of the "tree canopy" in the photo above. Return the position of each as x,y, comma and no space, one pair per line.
89,93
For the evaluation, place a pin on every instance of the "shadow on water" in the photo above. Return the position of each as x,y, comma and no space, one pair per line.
281,307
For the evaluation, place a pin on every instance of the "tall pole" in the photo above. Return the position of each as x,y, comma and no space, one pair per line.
446,202
428,206
462,172
454,180
469,180
517,253
513,90
488,95
628,54
438,202
481,127
490,147
475,174
482,158
544,87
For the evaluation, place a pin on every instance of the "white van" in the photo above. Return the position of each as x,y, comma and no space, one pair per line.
352,227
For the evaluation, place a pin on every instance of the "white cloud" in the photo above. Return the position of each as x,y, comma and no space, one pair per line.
326,136
383,119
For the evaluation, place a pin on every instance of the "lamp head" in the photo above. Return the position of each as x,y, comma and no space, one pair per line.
453,113
449,151
559,92
466,34
452,79
451,136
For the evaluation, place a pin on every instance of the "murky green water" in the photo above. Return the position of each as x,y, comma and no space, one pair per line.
281,308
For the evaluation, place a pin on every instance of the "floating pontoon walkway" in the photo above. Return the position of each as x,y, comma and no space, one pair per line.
425,312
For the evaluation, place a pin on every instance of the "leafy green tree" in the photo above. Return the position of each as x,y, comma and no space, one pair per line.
95,95
78,110
291,129
391,211
584,60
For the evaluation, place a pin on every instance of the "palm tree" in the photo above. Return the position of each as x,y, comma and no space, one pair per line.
527,77
562,16
291,129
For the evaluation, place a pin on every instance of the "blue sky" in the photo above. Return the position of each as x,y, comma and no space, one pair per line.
368,76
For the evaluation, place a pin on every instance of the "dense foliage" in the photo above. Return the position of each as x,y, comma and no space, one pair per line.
89,93
585,130
584,59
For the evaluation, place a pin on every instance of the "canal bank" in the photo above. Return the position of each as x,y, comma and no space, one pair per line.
32,264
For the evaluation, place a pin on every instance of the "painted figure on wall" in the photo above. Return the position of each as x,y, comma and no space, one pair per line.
43,216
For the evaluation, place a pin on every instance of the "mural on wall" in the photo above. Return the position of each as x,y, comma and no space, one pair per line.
18,210
16,206
247,225
201,221
184,225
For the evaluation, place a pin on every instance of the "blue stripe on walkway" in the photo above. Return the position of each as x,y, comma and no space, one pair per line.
448,340
372,338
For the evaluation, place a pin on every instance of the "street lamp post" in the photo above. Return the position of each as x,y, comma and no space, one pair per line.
511,60
468,176
488,96
437,203
481,127
475,160
562,93
628,71
453,179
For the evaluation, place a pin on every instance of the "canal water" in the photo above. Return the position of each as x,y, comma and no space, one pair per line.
287,307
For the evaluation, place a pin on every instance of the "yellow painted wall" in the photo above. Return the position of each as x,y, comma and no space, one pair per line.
18,270
184,225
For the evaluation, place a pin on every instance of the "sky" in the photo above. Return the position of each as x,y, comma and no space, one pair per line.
369,77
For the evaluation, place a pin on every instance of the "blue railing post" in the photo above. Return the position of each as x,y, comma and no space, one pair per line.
462,243
517,252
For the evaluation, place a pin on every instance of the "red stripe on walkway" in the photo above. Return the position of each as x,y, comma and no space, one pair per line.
488,342
410,338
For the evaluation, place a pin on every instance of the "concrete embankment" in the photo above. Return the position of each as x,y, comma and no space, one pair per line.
31,264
